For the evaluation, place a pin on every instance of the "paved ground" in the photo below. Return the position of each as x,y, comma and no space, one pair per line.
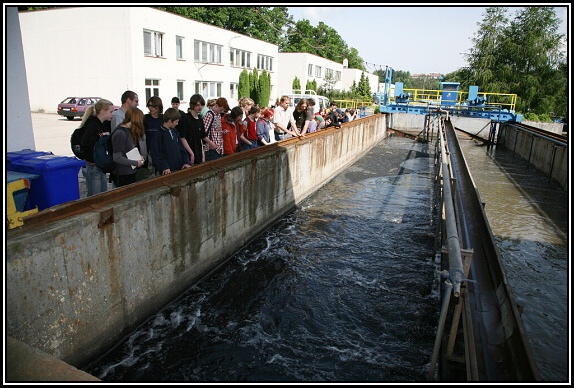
52,133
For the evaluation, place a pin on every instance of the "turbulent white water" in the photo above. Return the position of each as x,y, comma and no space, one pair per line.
343,289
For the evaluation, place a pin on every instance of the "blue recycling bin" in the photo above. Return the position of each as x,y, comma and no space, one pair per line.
57,180
14,156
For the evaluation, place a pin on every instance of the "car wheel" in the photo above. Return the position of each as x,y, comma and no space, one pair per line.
70,117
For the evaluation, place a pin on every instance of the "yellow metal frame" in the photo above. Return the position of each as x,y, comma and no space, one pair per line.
13,216
434,97
354,103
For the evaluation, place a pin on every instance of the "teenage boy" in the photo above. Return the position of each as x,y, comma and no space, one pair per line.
167,151
129,99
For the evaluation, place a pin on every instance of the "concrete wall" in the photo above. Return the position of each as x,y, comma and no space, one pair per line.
75,286
541,153
550,127
19,134
546,156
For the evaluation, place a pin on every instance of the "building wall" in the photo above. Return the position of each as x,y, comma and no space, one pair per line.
350,75
100,51
296,65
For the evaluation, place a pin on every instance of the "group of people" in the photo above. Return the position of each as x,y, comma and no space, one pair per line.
172,140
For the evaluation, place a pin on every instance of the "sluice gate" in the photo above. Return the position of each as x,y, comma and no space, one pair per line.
480,335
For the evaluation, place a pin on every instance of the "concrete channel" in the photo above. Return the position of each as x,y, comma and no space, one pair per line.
82,274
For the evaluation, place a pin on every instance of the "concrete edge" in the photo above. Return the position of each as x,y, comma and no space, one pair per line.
26,363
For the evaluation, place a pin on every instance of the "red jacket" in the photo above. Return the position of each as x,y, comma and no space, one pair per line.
251,129
229,136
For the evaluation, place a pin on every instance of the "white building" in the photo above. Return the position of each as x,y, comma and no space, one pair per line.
350,75
104,51
307,68
328,74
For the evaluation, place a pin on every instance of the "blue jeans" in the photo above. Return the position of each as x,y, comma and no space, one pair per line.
96,179
212,155
245,146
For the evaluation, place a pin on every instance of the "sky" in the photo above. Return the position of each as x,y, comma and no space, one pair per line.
417,39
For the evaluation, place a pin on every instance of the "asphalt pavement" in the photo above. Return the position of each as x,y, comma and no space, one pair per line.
52,134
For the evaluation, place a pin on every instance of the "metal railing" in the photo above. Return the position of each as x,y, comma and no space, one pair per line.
434,97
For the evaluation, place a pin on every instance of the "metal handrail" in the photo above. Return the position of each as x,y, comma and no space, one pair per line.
434,97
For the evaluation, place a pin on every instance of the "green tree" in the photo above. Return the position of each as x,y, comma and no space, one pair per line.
364,87
264,88
300,38
264,23
483,58
404,77
311,85
323,41
244,89
535,56
521,56
352,55
296,85
328,84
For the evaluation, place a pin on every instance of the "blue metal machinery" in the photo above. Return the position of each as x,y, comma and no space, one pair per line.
498,107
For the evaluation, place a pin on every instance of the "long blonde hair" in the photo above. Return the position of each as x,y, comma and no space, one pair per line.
94,110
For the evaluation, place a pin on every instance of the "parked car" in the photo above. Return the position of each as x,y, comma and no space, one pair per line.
72,107
321,102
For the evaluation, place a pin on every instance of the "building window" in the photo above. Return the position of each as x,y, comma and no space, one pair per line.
208,89
207,52
234,90
337,76
151,88
180,90
318,71
153,43
179,47
239,58
329,73
264,62
310,70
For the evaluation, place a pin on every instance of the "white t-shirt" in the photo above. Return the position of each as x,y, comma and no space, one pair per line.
283,117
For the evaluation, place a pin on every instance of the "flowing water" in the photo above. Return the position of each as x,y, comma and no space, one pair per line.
529,217
343,288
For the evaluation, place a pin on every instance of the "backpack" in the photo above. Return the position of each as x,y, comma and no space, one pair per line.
103,154
76,141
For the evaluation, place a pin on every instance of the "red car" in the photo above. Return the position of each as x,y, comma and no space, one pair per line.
76,106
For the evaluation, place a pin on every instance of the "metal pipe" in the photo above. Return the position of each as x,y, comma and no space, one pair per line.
536,134
453,242
440,329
